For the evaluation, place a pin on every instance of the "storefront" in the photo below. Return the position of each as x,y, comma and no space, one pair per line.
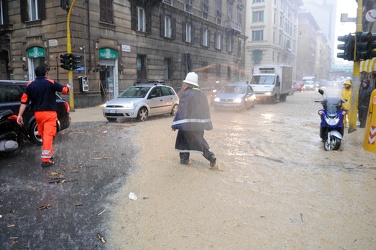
35,57
108,68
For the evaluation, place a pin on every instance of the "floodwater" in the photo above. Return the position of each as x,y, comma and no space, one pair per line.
276,189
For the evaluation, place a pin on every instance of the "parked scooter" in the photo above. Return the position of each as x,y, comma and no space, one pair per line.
331,126
11,134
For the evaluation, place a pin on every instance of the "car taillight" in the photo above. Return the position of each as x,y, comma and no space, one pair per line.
12,117
67,107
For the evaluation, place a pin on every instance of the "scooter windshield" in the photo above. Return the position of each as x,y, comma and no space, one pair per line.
332,104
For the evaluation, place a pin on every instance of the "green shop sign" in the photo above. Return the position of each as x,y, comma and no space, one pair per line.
35,52
108,54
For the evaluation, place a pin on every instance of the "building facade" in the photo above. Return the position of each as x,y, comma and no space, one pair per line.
272,33
123,41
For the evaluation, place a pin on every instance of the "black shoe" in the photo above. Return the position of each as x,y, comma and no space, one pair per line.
212,160
184,162
47,164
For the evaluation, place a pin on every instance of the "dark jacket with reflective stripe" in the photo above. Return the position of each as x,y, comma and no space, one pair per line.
194,112
41,92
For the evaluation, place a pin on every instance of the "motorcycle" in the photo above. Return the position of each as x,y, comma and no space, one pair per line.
11,134
331,126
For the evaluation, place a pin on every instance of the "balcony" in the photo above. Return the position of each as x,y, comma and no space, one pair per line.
233,26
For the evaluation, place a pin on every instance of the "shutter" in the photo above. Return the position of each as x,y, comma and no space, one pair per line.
184,33
148,20
23,7
134,17
5,12
208,38
193,37
201,36
102,10
173,27
41,10
162,25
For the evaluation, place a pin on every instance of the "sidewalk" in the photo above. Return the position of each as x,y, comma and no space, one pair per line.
92,114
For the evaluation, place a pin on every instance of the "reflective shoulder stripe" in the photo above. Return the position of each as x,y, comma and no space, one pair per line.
50,80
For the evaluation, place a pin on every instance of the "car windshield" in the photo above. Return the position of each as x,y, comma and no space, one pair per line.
135,92
263,80
233,89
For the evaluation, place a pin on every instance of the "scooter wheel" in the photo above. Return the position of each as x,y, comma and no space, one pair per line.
333,144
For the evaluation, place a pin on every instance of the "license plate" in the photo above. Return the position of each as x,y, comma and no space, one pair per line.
112,111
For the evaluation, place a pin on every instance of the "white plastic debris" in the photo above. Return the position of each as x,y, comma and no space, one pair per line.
132,196
104,132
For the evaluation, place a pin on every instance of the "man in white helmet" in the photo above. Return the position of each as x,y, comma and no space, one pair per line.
191,120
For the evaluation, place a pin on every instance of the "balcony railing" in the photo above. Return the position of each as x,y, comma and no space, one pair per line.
236,26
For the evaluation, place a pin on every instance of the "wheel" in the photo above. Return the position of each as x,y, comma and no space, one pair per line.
111,119
274,99
334,144
142,114
283,97
34,137
20,142
174,109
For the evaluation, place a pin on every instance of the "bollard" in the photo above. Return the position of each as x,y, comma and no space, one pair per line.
369,141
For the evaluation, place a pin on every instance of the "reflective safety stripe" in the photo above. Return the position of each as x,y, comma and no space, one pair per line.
191,120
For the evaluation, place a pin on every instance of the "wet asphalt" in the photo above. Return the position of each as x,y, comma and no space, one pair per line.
64,206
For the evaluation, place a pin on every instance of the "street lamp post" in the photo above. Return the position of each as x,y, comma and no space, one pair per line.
83,48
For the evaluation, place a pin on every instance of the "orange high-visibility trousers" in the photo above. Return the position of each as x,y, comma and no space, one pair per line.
46,121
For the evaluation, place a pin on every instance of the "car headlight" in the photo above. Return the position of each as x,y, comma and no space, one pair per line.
128,105
217,99
237,100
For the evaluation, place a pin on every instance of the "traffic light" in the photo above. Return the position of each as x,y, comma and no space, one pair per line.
347,47
365,43
76,61
64,61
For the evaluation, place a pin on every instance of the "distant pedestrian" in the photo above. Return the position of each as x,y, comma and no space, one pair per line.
363,102
191,119
41,93
346,94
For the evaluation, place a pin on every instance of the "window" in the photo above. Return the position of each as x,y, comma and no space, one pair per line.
239,47
205,37
188,33
2,12
257,16
167,68
167,27
230,6
188,6
219,12
141,68
31,10
258,1
218,41
229,42
106,11
205,9
141,19
258,35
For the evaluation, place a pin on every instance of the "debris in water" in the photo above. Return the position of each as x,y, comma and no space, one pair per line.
101,238
132,196
44,207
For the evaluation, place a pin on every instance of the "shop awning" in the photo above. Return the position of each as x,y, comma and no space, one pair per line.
368,65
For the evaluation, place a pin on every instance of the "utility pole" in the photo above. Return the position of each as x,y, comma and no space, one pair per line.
69,51
356,74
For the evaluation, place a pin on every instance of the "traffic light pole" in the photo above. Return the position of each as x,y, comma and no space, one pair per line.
356,75
69,51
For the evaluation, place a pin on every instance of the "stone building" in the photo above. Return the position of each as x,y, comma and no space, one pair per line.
123,41
272,33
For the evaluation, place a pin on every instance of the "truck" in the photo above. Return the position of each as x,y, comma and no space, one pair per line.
272,83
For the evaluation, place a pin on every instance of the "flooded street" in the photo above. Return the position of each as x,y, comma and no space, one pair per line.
277,187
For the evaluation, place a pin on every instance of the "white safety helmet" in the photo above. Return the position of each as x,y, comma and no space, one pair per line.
192,79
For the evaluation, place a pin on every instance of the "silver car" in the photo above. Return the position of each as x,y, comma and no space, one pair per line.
235,96
141,101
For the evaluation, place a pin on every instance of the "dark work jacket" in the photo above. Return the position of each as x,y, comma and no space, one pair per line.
364,96
194,112
41,92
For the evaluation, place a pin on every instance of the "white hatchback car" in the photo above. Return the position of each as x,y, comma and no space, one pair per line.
141,101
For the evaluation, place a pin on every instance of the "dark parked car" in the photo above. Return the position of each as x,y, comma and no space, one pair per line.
235,96
10,95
